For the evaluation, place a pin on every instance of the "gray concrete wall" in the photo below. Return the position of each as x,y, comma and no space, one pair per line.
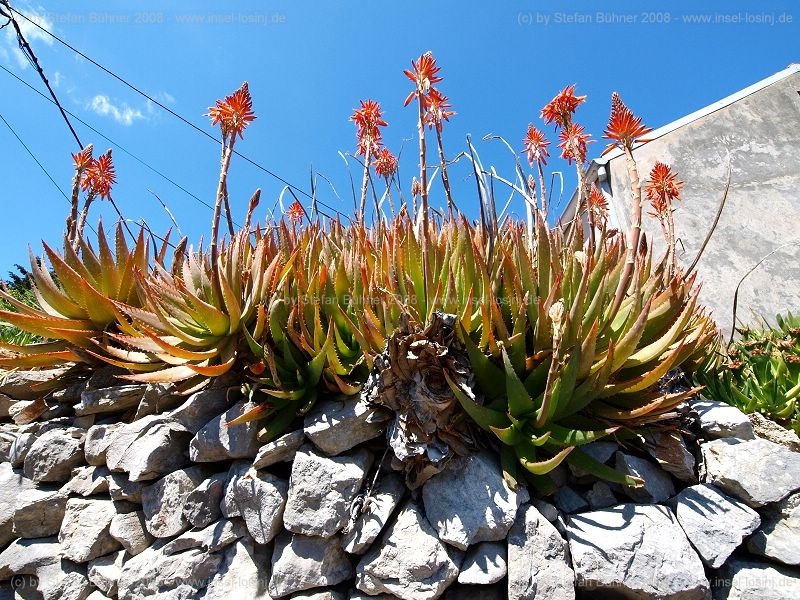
761,134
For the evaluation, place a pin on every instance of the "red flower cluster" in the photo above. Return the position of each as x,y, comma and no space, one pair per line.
368,120
436,107
83,159
663,188
99,175
234,113
561,108
624,128
385,164
573,135
296,212
423,74
598,203
535,146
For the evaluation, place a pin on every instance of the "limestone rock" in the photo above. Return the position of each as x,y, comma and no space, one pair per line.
754,580
18,384
109,400
104,572
714,523
38,513
87,481
260,499
657,484
321,490
216,441
409,562
242,574
280,450
26,557
720,420
98,438
228,505
158,398
202,504
163,501
84,533
484,564
201,407
53,578
337,425
154,574
779,535
360,535
213,538
757,471
302,562
538,560
12,484
122,488
469,501
54,454
149,448
129,529
635,551
771,431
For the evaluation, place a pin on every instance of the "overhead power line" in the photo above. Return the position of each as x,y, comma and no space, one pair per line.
157,103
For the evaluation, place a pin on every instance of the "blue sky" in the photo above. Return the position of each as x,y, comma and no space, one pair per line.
310,62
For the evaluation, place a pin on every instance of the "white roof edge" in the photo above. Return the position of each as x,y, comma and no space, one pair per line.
719,104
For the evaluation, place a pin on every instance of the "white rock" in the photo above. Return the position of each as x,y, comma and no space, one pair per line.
26,557
337,425
104,572
201,407
202,504
242,574
260,499
280,450
122,488
321,490
714,523
757,472
360,535
302,562
148,448
657,484
770,430
634,551
87,481
153,574
53,578
538,560
84,531
38,513
98,438
109,400
12,484
752,580
213,538
469,501
18,384
216,441
163,501
484,564
129,530
409,562
54,454
720,420
779,536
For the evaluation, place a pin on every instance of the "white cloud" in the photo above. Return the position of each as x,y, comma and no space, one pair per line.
121,113
30,32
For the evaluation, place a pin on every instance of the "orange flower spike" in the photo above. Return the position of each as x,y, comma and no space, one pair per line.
100,176
574,134
598,203
82,159
424,73
663,187
296,212
561,108
436,106
386,163
234,113
368,120
624,128
535,146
